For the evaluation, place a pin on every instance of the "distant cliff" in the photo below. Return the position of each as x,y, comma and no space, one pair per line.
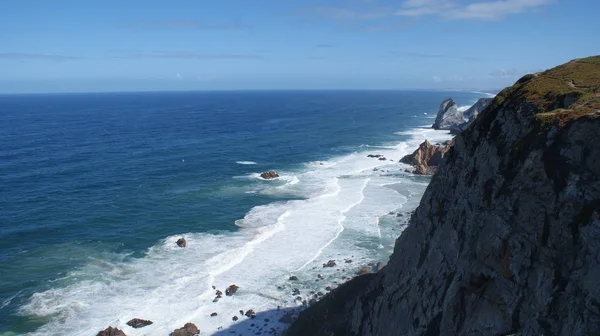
506,239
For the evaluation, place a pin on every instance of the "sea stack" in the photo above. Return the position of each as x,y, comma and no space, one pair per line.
506,237
448,115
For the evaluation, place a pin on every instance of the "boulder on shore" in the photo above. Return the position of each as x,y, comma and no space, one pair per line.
189,329
181,242
110,331
271,174
448,115
426,158
138,323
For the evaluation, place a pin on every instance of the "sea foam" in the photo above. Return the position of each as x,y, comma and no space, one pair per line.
346,211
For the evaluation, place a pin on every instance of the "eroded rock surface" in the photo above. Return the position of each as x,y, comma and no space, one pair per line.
506,239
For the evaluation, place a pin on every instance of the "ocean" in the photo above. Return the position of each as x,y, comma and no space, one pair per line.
96,189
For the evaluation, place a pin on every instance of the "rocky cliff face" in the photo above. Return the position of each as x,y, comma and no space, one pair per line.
426,158
448,115
470,115
506,239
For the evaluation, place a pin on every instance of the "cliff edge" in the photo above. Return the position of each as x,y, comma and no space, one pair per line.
506,239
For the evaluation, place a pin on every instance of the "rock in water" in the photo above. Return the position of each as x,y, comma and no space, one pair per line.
271,174
231,290
426,158
506,237
293,278
189,329
448,115
365,270
138,323
330,263
181,242
110,331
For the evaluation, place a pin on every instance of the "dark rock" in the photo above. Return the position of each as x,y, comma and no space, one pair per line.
213,314
330,263
328,288
219,293
138,323
216,299
320,294
231,290
235,318
382,159
110,331
181,242
287,318
296,291
250,313
293,278
241,312
374,155
312,302
426,158
271,174
347,261
189,329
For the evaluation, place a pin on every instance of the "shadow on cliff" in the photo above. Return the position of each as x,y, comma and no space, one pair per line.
265,323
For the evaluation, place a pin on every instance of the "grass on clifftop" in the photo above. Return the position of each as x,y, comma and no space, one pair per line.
560,94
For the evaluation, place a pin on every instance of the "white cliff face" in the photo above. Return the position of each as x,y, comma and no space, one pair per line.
448,115
506,239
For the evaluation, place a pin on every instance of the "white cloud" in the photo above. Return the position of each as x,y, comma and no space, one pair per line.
481,10
178,76
437,79
505,73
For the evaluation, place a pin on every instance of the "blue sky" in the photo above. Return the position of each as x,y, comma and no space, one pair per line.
108,45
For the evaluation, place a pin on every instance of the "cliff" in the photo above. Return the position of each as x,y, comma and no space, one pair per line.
506,239
470,115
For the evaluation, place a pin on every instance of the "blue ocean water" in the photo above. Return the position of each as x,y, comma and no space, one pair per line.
95,189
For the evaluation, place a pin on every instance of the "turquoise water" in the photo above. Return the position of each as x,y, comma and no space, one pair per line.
96,188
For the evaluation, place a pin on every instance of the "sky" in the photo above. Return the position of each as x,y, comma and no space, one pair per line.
133,45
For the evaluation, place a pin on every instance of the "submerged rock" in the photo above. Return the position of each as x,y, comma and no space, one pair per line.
181,242
293,278
138,323
110,331
189,329
426,158
231,290
271,174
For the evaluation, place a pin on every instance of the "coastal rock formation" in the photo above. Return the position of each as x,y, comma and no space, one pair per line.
448,115
138,323
470,115
271,174
110,331
181,242
506,239
426,158
474,110
189,329
231,290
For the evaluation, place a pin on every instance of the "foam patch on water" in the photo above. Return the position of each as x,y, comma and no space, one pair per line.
245,162
347,213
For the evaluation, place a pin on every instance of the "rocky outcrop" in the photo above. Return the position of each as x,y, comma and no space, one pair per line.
189,329
470,115
231,290
110,331
448,115
181,242
426,158
271,174
506,239
138,323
